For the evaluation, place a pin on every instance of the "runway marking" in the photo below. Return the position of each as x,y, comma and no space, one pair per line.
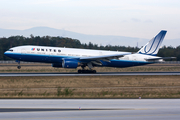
20,110
93,116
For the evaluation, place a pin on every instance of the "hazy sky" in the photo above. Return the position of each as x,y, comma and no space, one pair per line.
132,18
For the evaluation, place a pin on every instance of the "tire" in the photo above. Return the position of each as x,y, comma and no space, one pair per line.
79,71
19,67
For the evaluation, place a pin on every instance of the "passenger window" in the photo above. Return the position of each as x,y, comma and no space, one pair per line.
50,50
54,50
38,49
59,50
42,49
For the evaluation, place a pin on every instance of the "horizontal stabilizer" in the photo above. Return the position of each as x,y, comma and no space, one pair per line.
160,58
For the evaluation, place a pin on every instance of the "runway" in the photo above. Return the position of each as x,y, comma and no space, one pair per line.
90,74
88,109
49,65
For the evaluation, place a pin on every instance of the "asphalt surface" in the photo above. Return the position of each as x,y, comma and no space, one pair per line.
90,74
88,109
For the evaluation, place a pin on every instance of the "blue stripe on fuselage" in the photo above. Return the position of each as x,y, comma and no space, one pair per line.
124,63
37,57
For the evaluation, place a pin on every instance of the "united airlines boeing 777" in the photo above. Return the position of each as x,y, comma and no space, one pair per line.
72,58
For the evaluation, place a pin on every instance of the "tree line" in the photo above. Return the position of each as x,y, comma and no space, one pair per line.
6,43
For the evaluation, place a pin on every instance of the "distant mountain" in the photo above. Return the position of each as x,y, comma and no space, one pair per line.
98,39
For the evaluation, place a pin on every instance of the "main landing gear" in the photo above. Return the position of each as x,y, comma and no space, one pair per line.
86,71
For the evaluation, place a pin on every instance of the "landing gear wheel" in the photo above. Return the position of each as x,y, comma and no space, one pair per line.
19,67
94,71
86,71
79,71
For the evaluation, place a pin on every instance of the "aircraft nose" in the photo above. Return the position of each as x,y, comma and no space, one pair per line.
5,53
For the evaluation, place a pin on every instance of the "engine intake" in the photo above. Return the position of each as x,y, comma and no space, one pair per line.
69,63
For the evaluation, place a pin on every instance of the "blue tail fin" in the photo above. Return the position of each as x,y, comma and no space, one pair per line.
152,47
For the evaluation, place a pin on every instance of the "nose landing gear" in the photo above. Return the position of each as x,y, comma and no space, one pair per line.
19,66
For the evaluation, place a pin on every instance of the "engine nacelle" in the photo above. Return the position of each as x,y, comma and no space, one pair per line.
69,63
58,65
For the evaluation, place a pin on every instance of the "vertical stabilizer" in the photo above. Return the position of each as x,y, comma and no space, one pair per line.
152,47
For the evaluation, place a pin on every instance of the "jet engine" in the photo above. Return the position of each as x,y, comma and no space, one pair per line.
69,63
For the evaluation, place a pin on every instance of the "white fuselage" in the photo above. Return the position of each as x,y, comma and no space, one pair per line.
57,54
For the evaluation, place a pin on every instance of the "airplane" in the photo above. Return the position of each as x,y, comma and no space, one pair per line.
72,57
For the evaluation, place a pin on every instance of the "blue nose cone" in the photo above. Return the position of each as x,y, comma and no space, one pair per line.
5,53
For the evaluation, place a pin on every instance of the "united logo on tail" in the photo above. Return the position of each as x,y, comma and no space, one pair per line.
152,47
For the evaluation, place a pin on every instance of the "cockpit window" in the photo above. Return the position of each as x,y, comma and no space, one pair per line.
10,50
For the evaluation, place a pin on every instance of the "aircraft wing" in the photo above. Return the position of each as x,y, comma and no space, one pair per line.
159,58
104,57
